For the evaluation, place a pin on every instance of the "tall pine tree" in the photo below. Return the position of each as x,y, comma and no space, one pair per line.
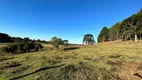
103,36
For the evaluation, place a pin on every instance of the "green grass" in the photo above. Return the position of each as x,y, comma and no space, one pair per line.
105,61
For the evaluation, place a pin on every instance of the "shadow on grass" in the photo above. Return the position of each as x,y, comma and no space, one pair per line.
4,59
41,69
71,48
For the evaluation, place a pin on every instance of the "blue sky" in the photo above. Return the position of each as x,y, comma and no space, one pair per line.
67,19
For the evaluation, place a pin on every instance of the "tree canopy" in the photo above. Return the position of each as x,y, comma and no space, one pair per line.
88,39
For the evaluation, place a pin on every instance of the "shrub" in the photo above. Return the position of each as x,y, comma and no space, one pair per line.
38,46
12,48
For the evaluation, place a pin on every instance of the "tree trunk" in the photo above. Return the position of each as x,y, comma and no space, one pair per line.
135,37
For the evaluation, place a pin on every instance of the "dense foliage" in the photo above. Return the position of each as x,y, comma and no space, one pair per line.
21,47
128,29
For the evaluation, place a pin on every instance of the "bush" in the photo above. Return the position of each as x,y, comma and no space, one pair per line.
12,48
38,46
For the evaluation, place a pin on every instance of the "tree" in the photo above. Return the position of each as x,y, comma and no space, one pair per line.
5,37
56,42
103,36
88,39
65,42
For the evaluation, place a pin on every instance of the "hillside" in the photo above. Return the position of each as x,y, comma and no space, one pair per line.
103,61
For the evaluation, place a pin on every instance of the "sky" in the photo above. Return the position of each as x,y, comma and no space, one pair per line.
66,19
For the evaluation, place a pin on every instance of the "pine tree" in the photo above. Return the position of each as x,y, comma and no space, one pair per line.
103,36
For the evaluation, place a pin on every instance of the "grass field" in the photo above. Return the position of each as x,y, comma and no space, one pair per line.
105,61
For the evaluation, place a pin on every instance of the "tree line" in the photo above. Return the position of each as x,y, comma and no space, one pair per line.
21,47
128,29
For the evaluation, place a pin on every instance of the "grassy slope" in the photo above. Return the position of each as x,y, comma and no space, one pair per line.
107,61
